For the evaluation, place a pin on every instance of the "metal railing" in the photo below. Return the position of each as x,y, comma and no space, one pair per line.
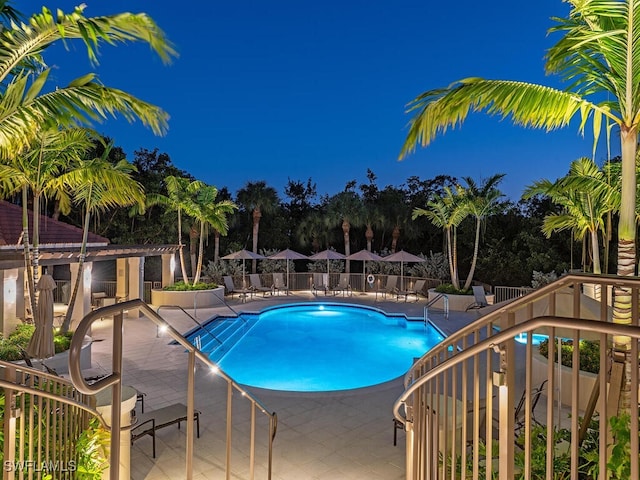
114,380
43,417
460,408
445,303
200,325
502,294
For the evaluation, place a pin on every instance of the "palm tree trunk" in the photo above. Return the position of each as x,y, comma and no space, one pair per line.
196,278
216,245
452,269
193,242
467,283
346,227
626,255
185,278
257,214
395,235
28,261
83,251
369,236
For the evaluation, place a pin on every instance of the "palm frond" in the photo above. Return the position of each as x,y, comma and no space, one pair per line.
528,105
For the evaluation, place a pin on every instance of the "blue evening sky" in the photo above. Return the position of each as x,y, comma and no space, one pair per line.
283,89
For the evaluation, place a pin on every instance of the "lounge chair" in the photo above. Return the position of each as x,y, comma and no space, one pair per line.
256,285
231,289
343,285
390,287
480,298
416,290
520,414
148,423
278,283
319,283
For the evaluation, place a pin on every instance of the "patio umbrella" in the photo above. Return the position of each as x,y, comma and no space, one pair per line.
402,257
327,255
41,343
243,255
364,255
287,255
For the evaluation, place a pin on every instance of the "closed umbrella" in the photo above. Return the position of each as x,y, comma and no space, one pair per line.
243,255
287,255
402,257
364,255
41,343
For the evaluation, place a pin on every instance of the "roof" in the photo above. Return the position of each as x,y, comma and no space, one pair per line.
52,232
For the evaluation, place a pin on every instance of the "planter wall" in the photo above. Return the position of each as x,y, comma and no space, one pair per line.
188,299
587,381
457,303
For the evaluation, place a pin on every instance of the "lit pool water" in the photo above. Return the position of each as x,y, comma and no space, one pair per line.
326,347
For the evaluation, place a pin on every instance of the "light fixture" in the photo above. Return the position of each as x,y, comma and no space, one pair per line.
500,378
172,264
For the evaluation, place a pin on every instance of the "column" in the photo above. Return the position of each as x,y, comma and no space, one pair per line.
122,279
136,282
168,269
82,305
8,298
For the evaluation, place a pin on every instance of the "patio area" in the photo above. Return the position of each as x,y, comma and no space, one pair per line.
347,435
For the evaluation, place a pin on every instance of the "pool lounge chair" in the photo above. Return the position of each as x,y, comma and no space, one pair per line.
416,290
319,283
343,285
256,285
278,283
480,298
390,287
231,289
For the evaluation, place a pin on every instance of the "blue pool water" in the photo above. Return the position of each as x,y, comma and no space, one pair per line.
326,347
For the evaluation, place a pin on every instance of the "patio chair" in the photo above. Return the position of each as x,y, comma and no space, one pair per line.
416,290
480,298
390,287
520,414
319,283
343,285
231,289
278,283
256,285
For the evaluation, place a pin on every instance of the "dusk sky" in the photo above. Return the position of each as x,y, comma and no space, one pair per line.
282,89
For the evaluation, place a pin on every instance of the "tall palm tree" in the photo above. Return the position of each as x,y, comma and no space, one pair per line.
257,198
587,198
181,192
480,201
35,173
98,185
345,208
25,104
599,58
207,212
446,212
312,231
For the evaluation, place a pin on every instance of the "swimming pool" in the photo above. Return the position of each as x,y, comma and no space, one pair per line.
325,347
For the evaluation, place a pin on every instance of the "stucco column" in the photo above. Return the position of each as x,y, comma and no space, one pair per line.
168,269
122,279
8,297
136,282
82,305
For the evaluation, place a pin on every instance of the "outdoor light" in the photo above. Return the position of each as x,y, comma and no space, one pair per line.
86,276
500,378
172,264
10,290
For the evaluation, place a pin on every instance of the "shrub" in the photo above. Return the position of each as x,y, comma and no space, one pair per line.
451,290
11,347
183,287
589,354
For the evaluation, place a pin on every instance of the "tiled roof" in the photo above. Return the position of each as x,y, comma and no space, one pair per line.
51,231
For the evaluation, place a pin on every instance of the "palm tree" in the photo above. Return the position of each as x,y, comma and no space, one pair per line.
312,231
257,198
98,185
599,58
345,208
207,212
480,201
35,173
181,192
587,198
446,212
25,107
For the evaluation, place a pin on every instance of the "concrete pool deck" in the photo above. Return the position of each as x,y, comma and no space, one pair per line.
334,435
